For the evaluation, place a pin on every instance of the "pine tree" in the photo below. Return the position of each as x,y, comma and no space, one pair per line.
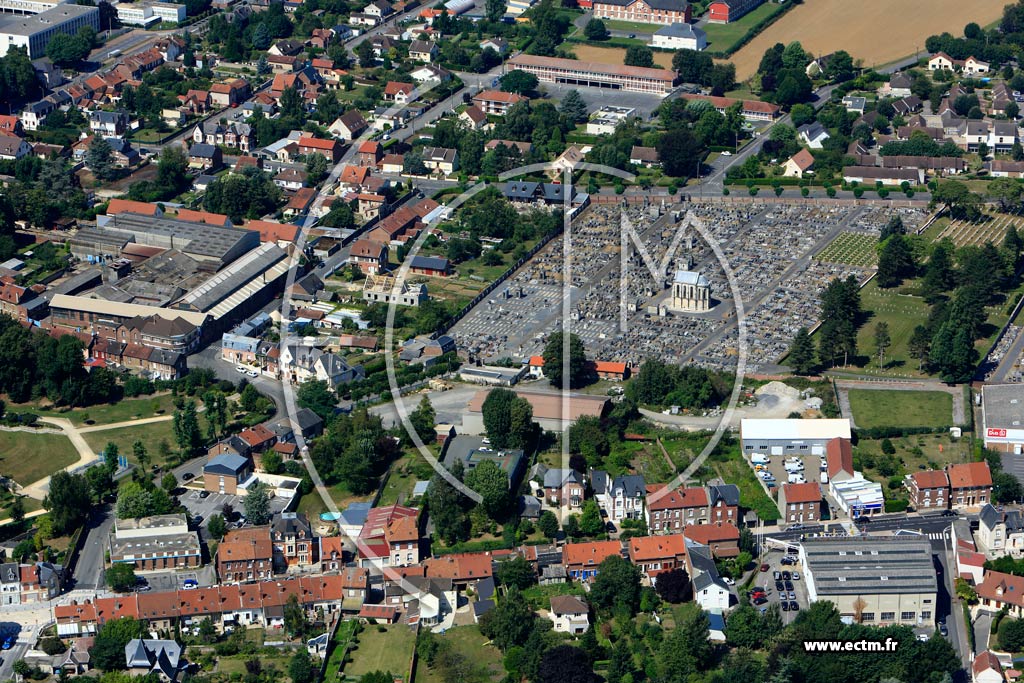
261,37
801,353
574,107
882,341
918,345
895,262
262,66
99,158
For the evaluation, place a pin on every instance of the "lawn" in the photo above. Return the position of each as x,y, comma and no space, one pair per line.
467,641
311,504
631,26
382,648
335,663
122,411
26,458
406,471
854,248
752,495
236,665
723,37
539,597
913,453
894,408
124,437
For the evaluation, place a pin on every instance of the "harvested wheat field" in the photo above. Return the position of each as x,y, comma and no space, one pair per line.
875,31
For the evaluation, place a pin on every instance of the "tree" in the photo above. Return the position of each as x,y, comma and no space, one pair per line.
318,397
509,423
839,67
135,500
919,344
216,526
121,577
801,353
548,524
249,398
595,30
578,372
261,37
956,195
518,81
316,168
516,572
257,504
186,430
108,647
294,617
1006,488
1011,634
263,66
68,501
591,523
412,163
423,420
565,664
1006,191
638,55
674,586
66,50
291,104
510,622
446,505
680,152
18,510
617,585
300,667
99,158
882,341
573,107
587,437
495,10
491,482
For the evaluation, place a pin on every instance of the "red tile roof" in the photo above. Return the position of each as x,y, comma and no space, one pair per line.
460,567
930,479
808,492
681,498
588,554
970,475
839,457
117,206
647,548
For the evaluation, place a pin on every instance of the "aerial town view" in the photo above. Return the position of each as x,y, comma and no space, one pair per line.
512,341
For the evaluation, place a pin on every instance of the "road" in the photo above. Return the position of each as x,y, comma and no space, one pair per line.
88,574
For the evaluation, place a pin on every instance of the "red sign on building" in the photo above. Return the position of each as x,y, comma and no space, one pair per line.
996,433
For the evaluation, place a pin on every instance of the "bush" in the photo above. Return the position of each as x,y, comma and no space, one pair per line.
753,191
887,447
804,192
883,192
725,191
830,191
896,505
778,190
858,192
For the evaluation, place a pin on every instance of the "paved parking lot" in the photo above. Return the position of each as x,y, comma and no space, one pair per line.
214,503
767,580
164,580
812,467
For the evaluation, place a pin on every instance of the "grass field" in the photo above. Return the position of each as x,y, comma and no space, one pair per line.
122,411
149,434
752,495
853,248
615,55
893,408
722,37
236,665
27,458
902,313
333,670
467,641
388,650
869,31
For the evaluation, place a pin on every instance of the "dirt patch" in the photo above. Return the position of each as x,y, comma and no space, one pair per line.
616,55
875,31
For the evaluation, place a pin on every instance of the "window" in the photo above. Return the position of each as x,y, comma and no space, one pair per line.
926,615
908,616
867,616
888,616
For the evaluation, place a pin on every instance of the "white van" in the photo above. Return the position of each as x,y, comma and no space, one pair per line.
796,478
794,467
759,459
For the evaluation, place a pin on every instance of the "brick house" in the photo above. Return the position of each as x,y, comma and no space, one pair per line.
800,503
928,490
245,555
654,554
669,513
970,484
581,560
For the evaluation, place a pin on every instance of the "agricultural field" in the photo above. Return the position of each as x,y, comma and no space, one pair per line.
895,408
868,31
991,227
851,248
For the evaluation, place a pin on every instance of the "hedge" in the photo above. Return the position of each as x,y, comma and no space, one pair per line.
896,432
896,505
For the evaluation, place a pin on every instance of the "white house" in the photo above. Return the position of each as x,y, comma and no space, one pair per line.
1000,533
679,36
987,669
622,497
709,591
570,614
813,134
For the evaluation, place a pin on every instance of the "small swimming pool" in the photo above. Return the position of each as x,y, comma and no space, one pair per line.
330,516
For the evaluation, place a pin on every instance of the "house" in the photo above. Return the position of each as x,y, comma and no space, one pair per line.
431,72
986,668
286,48
11,125
970,484
348,126
721,538
570,615
205,157
655,554
622,497
899,85
680,36
581,560
294,544
907,105
1002,137
940,60
800,503
390,537
163,658
474,117
977,134
855,103
441,160
562,487
108,123
496,102
292,179
395,91
1000,532
224,473
886,176
1001,591
13,147
464,570
245,555
331,149
813,134
671,512
644,156
973,65
423,51
433,266
369,255
724,503
725,11
928,490
499,45
709,591
229,94
798,164
751,110
1000,168
839,459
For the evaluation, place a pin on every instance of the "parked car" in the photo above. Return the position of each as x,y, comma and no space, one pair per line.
777,575
764,567
943,629
190,583
786,576
779,586
794,606
788,584
188,476
760,601
796,576
785,606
